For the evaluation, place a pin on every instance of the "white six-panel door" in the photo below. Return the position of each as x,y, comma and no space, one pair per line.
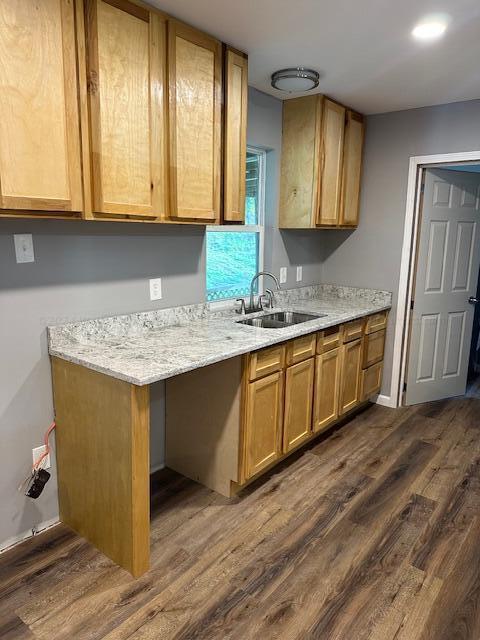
448,262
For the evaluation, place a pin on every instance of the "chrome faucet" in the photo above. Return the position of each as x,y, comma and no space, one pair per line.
258,307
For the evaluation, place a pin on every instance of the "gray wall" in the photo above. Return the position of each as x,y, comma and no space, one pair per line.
370,256
85,270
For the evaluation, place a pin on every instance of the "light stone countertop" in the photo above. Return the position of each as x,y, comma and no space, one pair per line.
146,347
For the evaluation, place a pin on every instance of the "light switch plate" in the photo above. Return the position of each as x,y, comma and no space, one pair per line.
23,247
283,275
299,273
156,289
36,453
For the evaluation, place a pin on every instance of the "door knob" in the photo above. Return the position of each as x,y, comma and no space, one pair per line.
473,300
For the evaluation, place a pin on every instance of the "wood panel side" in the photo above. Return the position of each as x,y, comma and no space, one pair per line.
203,420
102,452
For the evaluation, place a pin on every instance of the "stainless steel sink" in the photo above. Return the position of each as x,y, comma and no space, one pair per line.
281,319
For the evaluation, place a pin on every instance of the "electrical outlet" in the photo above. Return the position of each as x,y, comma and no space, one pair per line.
37,453
23,247
283,275
156,289
299,273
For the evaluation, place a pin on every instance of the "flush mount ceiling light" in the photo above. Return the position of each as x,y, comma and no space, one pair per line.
430,28
295,79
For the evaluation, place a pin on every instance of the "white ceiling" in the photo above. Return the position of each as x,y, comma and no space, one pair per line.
362,48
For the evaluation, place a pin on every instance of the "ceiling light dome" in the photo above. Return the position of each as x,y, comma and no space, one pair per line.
430,28
295,80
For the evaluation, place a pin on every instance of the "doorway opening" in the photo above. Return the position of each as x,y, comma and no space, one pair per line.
473,379
437,343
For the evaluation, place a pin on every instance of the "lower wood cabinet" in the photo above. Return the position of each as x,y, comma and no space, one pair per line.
350,378
298,404
327,383
263,423
229,422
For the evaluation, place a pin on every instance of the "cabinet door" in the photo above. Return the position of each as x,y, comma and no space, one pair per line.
195,85
235,149
126,58
350,377
263,423
327,382
352,165
40,162
333,126
300,162
371,380
373,348
298,404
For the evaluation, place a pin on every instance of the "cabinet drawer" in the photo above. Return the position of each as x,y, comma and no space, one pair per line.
373,348
266,361
300,349
371,380
353,330
376,322
328,339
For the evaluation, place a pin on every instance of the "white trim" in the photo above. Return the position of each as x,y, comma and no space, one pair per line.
251,228
385,401
408,261
30,533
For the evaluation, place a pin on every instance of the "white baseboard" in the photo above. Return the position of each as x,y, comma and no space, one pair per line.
385,401
11,542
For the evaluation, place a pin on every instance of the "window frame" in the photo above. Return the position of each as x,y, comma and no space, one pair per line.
249,228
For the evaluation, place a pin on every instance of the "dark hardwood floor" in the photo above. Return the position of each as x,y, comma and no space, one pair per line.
371,534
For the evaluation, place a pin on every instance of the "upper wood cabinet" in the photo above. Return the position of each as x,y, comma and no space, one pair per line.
126,65
195,101
352,169
40,157
112,110
320,166
235,142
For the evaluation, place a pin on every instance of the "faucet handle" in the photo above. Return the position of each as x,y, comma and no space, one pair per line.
240,306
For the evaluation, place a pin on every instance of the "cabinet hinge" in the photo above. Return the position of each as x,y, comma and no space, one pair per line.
404,387
412,302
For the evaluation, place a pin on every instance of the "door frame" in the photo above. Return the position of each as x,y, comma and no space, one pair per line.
409,261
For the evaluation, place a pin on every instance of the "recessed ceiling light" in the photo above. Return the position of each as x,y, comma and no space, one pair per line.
295,79
429,29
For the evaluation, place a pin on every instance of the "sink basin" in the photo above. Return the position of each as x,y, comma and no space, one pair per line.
281,319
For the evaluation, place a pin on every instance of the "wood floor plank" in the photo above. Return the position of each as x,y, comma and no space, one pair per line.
383,495
439,545
317,548
352,611
12,628
455,614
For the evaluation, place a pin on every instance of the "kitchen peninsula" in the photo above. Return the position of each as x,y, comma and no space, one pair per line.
222,375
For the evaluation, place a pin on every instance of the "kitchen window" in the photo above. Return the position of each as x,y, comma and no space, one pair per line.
235,253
